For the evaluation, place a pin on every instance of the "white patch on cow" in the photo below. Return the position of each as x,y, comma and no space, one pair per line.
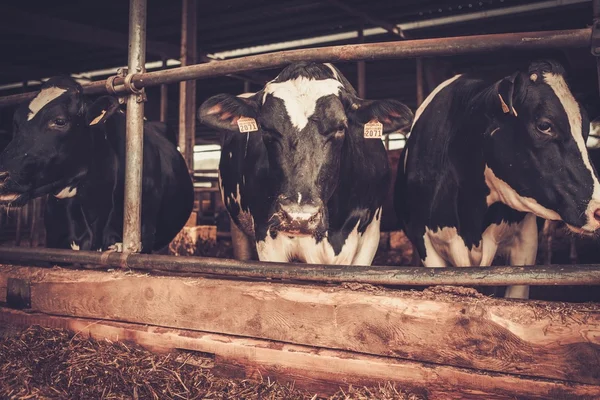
502,192
560,88
245,218
74,246
332,68
429,98
44,97
593,141
299,198
518,241
358,249
66,193
300,96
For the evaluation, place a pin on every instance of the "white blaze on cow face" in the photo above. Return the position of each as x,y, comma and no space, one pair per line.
560,88
44,97
300,96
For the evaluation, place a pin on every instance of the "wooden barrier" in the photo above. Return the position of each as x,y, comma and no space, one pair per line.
471,343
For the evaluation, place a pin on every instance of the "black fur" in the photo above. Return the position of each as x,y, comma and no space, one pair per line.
44,158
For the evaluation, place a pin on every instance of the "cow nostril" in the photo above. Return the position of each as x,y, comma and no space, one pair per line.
597,215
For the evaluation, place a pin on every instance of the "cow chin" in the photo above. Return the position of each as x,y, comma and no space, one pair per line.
582,232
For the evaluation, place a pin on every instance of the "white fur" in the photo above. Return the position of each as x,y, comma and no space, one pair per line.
429,98
359,248
502,192
593,141
67,193
560,88
518,241
74,246
44,97
300,96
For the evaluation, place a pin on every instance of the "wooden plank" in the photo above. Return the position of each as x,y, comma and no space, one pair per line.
549,340
314,369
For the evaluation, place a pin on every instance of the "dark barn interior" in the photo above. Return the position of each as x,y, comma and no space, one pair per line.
231,329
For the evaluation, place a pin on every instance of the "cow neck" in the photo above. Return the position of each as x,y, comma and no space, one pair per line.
363,178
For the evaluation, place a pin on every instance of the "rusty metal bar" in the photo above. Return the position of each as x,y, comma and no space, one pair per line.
462,45
418,276
420,91
134,138
187,89
164,98
361,68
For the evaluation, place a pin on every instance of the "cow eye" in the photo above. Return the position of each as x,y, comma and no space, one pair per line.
60,122
544,127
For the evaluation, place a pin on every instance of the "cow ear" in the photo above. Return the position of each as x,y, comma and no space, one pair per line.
101,110
223,111
394,115
506,94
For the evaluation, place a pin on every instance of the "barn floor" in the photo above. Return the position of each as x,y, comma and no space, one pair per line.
44,363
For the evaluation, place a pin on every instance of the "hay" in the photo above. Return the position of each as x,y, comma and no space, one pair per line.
43,363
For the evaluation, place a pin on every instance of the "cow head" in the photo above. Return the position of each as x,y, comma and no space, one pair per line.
536,156
308,116
51,142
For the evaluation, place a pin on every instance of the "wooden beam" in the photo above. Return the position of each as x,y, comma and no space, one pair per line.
391,28
540,339
31,24
187,89
314,369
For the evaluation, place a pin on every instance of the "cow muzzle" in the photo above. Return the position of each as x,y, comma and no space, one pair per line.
298,219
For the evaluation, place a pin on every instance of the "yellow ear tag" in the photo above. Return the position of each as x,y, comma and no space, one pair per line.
246,124
98,118
373,130
505,108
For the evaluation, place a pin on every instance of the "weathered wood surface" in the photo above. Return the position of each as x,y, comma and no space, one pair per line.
548,340
318,370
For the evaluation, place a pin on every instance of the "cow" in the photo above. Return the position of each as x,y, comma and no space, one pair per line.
485,158
73,149
305,185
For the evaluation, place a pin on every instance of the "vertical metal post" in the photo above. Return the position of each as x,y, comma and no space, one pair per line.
187,89
361,68
164,98
134,138
596,37
420,91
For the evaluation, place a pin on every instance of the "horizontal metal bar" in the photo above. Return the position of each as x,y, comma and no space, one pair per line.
404,276
353,52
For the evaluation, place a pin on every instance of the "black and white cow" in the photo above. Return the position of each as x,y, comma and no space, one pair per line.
485,158
307,185
75,152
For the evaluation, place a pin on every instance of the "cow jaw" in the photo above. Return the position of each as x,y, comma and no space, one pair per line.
502,192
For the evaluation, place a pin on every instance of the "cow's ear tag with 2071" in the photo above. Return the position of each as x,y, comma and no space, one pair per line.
246,124
373,130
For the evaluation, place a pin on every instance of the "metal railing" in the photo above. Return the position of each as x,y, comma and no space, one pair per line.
137,79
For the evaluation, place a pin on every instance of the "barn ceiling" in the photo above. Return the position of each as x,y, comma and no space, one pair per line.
40,38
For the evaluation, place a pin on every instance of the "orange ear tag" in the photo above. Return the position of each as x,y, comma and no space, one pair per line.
246,125
373,130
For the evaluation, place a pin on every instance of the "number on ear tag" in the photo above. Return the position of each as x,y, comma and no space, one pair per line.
373,130
247,125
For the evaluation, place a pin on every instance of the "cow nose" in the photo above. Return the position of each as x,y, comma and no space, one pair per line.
597,215
299,212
